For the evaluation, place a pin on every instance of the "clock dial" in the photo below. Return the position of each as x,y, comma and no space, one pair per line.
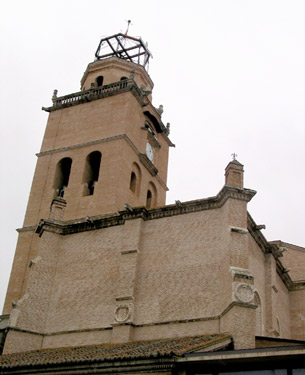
149,151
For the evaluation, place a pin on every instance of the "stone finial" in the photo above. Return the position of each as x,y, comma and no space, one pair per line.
54,97
234,173
160,109
168,127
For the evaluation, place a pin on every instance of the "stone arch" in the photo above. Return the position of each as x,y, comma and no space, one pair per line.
62,175
99,81
91,172
151,196
135,179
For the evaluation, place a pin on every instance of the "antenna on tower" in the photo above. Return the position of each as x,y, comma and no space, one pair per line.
128,24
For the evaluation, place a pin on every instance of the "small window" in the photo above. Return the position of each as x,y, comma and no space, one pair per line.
133,182
62,175
148,199
91,172
135,179
151,196
99,80
123,83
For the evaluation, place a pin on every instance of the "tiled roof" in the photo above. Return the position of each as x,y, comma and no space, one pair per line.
110,352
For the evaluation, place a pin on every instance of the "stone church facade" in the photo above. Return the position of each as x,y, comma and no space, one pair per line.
101,260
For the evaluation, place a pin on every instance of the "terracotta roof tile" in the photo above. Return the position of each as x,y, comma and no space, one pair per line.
110,352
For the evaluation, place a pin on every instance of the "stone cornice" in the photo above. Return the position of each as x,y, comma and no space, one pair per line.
90,143
105,91
258,236
100,222
298,285
273,248
26,229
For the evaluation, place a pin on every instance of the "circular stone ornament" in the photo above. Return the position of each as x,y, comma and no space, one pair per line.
122,313
244,293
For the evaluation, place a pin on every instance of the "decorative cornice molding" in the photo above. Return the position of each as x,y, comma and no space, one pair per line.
26,229
100,222
258,236
86,144
298,285
273,248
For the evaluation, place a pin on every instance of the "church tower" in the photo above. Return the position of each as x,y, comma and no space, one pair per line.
103,265
105,148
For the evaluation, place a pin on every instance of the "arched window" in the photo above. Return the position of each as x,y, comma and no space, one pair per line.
123,78
133,182
99,80
135,179
62,175
148,199
151,196
91,172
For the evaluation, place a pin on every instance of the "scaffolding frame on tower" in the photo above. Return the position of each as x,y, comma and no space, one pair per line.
124,47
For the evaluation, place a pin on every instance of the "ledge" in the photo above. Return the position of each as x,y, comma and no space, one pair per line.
272,248
96,93
100,222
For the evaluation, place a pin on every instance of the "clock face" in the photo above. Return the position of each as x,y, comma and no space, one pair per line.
149,151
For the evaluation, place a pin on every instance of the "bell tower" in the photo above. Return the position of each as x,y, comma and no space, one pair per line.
105,148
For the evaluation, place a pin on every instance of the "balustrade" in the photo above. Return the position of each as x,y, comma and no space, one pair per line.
95,93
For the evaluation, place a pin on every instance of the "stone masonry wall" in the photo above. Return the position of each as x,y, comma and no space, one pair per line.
76,285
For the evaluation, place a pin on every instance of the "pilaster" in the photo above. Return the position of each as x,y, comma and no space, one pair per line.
271,292
125,295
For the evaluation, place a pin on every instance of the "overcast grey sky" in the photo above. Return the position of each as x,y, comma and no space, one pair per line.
230,74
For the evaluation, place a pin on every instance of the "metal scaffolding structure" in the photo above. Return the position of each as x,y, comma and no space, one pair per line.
124,47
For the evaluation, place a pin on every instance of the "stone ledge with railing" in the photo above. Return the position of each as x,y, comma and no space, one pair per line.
98,93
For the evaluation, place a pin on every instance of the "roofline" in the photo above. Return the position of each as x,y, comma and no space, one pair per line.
245,354
273,248
119,218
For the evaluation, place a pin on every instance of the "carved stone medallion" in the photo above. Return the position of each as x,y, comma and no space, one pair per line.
122,313
244,293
